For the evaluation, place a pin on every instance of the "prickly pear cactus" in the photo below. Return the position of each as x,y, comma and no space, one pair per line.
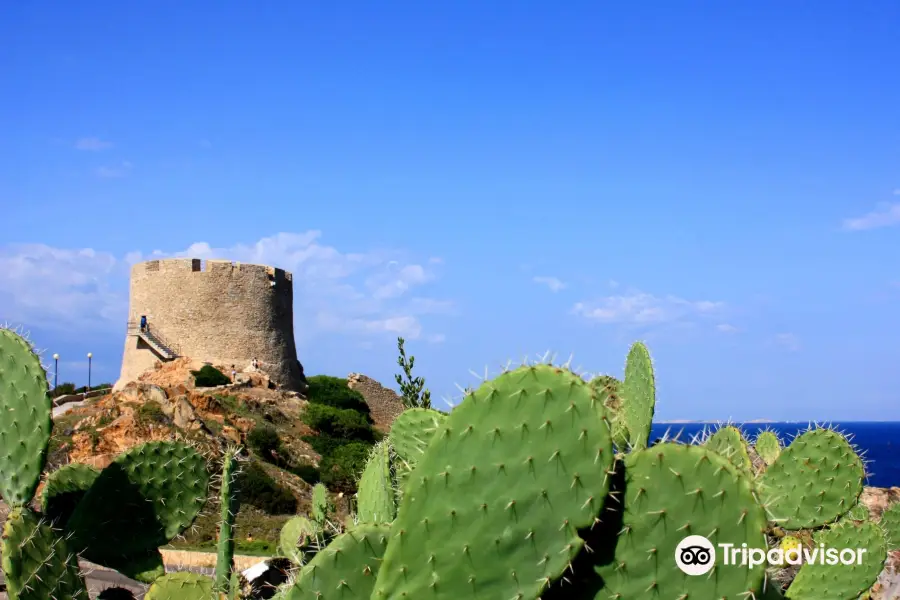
376,499
672,491
639,395
297,535
64,489
37,563
493,507
815,480
158,487
890,522
228,508
730,443
182,585
609,388
768,446
817,579
859,512
320,504
25,418
412,431
346,569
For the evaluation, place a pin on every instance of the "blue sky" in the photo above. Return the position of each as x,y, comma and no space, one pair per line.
721,180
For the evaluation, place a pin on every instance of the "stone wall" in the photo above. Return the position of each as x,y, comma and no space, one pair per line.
215,311
384,403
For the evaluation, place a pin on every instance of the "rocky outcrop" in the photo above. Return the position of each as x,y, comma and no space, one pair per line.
384,403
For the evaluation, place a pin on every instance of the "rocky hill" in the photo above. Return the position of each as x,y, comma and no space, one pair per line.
166,405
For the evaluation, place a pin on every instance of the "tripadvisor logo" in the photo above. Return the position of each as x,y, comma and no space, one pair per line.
696,555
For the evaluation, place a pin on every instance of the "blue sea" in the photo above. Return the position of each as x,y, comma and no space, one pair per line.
880,441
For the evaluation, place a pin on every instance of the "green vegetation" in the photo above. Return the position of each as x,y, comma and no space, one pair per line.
333,391
256,488
412,389
209,376
344,433
150,413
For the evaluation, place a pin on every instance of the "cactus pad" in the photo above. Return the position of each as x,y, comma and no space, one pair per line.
890,522
859,512
492,509
816,580
182,585
815,480
143,499
37,562
346,569
64,489
298,533
609,388
730,443
319,503
672,491
25,418
412,431
376,499
639,395
768,446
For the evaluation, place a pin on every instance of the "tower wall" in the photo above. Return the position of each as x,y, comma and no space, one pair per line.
216,311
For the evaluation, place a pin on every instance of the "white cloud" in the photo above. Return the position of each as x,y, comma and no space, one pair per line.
639,308
114,171
92,144
887,215
397,280
334,291
552,283
788,341
726,328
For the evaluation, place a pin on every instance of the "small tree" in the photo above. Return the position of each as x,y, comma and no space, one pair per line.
412,389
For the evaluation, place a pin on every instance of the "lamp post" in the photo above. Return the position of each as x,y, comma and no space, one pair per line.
55,370
90,356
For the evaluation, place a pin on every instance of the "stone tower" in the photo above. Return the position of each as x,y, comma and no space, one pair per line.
216,311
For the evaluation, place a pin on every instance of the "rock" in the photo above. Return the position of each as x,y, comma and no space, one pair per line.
142,392
180,411
231,434
385,404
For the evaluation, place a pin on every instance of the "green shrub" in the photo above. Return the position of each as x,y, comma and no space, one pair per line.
307,473
333,391
338,423
340,471
64,389
256,488
209,376
151,412
264,440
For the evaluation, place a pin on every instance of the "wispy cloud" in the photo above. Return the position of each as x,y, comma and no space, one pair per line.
639,308
886,215
788,341
726,328
114,171
552,283
92,144
334,291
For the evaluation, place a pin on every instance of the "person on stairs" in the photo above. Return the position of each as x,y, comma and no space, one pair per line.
143,323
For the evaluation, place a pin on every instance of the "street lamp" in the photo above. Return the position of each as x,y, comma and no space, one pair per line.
90,356
55,370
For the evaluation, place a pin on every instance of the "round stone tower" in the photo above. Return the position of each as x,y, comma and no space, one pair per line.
216,311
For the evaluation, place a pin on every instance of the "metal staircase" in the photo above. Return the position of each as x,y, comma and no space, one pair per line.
152,337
